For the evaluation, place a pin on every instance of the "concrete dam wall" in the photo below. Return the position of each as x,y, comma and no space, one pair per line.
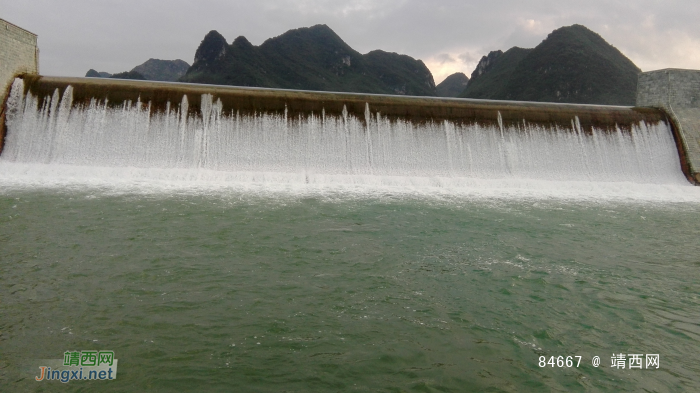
243,100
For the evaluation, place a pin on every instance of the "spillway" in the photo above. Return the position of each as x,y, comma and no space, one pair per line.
182,132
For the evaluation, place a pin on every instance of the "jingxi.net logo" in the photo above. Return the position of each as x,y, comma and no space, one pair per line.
79,366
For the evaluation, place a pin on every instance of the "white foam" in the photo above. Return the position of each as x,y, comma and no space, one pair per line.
59,144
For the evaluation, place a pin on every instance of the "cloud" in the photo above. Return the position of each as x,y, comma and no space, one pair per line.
445,58
653,51
361,8
469,57
446,64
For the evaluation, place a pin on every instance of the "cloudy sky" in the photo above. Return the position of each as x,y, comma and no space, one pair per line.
449,36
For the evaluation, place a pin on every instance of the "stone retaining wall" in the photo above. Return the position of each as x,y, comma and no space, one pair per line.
677,92
19,54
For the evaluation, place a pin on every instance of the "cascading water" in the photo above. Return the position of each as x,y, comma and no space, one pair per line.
322,149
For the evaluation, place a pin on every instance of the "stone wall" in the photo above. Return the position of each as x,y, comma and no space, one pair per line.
677,92
18,54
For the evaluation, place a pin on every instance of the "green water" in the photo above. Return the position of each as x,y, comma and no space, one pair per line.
322,293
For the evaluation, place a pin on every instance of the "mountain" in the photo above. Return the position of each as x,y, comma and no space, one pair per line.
453,85
95,74
573,64
128,75
491,77
162,70
152,69
312,58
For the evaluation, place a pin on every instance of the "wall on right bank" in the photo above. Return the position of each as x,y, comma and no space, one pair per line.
677,92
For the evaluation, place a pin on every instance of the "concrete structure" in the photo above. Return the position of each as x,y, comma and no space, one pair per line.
19,54
251,100
677,92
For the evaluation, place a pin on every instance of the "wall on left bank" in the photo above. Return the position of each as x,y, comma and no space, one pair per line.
19,54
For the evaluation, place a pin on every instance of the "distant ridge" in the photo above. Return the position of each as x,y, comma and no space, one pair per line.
311,58
152,69
128,75
453,85
491,77
162,70
573,64
95,74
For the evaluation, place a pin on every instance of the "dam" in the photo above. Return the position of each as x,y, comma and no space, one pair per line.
220,134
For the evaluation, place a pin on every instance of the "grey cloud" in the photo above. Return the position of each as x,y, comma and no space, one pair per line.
76,35
469,58
445,58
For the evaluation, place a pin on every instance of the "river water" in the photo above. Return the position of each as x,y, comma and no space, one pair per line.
246,292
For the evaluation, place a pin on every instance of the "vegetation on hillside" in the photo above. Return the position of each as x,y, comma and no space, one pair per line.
152,69
312,58
95,74
491,77
162,70
453,85
573,64
128,75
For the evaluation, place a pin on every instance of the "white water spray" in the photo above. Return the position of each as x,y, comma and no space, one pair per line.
320,148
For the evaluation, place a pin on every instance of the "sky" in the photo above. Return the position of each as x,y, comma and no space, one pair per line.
448,36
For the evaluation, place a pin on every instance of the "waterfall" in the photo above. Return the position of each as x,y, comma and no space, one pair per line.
319,147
